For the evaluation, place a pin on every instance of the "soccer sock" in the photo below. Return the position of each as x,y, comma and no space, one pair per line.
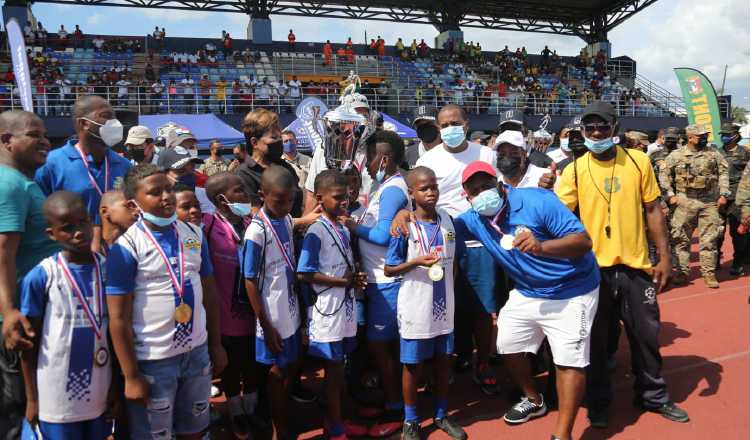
441,408
410,413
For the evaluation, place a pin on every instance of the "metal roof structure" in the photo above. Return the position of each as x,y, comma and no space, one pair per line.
588,19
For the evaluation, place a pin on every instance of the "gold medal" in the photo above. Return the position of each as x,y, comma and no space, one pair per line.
435,272
506,242
101,357
182,313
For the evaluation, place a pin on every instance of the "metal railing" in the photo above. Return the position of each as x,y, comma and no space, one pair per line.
53,101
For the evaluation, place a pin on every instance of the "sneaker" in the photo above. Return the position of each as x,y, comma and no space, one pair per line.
737,269
411,431
453,429
672,412
598,417
240,426
301,394
485,378
389,424
710,281
524,411
462,364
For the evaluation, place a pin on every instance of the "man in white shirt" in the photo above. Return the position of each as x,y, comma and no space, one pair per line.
188,93
122,92
295,87
157,90
658,145
263,93
513,161
62,33
476,280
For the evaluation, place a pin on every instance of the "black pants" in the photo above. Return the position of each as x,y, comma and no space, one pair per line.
740,243
12,393
240,373
628,295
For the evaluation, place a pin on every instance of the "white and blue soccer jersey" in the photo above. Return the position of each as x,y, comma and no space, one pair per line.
333,315
425,308
263,260
72,388
136,266
374,227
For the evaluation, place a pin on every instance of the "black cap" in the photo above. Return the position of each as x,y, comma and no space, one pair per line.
729,128
478,135
427,112
671,132
515,116
602,109
176,158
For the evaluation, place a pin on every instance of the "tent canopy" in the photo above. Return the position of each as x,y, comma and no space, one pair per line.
205,127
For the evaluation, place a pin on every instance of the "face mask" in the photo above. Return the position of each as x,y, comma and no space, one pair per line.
380,175
488,203
110,132
427,133
671,144
240,209
728,139
453,136
702,142
137,154
274,151
187,179
289,147
598,147
510,166
565,144
159,221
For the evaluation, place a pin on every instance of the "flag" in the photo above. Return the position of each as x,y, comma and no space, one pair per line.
20,64
700,102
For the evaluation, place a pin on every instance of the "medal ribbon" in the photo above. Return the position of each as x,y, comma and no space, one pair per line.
287,258
179,285
380,189
227,226
96,324
91,176
422,234
329,225
495,220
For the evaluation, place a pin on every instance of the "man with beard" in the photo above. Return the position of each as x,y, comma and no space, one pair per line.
425,124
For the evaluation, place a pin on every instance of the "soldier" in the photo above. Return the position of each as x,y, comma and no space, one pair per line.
696,183
737,158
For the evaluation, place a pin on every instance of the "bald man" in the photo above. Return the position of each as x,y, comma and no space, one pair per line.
88,167
23,244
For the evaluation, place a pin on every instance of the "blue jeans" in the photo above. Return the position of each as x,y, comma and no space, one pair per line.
180,387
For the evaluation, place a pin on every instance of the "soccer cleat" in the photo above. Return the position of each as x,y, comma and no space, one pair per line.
411,431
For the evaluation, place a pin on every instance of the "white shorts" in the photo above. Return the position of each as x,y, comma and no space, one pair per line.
524,322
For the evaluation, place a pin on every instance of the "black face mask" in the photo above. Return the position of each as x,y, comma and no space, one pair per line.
427,133
275,149
510,166
671,144
702,142
137,154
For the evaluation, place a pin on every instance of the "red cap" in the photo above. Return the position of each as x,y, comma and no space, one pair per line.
477,166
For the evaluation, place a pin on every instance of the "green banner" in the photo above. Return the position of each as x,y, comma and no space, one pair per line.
700,101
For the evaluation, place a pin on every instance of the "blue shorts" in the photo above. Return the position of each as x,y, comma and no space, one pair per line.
416,351
361,313
179,388
291,348
475,285
333,351
96,429
382,300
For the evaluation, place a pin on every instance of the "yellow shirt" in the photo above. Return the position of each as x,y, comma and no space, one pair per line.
627,244
221,88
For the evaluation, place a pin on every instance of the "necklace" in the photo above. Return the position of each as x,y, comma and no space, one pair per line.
607,228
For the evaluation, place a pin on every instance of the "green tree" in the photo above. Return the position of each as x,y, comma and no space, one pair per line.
739,114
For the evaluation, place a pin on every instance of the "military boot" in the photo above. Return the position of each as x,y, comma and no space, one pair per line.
710,280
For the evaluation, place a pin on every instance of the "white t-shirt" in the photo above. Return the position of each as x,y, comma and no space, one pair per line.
333,316
188,84
122,89
373,255
264,91
140,269
653,148
425,308
71,386
261,255
531,178
295,88
98,43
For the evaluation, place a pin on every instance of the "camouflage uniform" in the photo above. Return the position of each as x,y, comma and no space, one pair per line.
699,178
211,167
737,159
742,195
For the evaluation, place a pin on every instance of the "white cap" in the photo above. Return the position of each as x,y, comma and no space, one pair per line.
512,137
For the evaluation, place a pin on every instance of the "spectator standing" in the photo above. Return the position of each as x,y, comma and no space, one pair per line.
77,36
295,87
227,45
215,163
140,145
221,94
23,244
122,91
299,162
188,93
62,34
327,53
291,38
205,88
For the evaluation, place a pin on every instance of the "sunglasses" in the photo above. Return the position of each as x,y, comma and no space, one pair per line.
592,127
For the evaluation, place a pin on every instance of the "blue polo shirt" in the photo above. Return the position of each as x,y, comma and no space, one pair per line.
65,170
540,211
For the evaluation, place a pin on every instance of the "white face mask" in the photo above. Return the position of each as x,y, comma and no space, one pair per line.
110,132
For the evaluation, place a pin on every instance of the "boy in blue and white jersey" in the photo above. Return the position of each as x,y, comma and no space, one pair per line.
68,370
426,303
327,264
269,269
164,317
385,151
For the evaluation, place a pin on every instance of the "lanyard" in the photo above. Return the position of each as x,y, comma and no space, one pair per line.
339,240
422,234
91,176
495,219
289,259
96,324
227,226
377,196
179,285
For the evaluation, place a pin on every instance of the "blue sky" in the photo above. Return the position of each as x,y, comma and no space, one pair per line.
670,33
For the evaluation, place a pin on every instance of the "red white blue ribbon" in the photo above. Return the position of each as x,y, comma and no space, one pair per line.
289,259
227,226
422,237
96,324
91,176
178,284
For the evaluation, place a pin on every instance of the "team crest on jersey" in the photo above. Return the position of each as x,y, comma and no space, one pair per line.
192,244
450,236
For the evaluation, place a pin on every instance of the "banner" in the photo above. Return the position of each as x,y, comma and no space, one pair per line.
17,49
700,102
309,111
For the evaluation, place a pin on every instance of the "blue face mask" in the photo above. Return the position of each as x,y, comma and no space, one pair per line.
380,175
289,147
453,136
159,221
240,209
564,144
488,203
727,139
598,147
